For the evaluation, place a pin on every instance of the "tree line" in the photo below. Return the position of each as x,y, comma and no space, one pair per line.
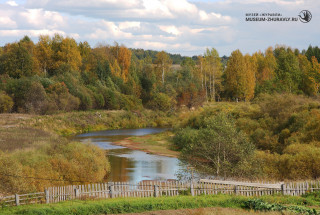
59,74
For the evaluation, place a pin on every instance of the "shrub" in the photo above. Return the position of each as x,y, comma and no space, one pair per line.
161,101
217,147
6,103
18,89
85,98
61,98
74,161
36,99
260,205
64,161
11,166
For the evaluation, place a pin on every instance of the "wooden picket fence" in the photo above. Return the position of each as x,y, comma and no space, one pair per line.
159,188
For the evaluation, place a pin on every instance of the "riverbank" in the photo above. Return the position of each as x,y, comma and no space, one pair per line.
32,146
71,123
158,144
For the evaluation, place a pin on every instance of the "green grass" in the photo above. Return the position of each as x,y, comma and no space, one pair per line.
129,205
302,205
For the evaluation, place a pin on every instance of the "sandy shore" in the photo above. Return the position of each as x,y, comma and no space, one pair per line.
147,148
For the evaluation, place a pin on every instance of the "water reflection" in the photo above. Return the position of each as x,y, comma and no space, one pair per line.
131,165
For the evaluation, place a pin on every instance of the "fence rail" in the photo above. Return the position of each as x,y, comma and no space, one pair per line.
23,199
157,189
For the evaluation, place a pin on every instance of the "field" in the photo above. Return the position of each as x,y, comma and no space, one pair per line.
14,135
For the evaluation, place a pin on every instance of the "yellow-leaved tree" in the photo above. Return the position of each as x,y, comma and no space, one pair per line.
240,76
124,59
249,76
43,53
66,54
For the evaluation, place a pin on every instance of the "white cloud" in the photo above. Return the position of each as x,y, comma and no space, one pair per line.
130,25
12,3
154,8
181,6
280,2
40,18
92,4
32,33
7,22
180,11
172,25
107,30
171,29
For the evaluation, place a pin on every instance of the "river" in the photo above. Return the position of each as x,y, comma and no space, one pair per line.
132,165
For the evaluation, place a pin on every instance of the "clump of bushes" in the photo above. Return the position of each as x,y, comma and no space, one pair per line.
23,171
6,103
216,146
260,205
284,128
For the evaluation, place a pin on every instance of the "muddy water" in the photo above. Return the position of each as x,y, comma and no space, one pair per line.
132,165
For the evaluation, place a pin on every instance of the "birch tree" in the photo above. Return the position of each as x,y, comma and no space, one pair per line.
212,72
163,63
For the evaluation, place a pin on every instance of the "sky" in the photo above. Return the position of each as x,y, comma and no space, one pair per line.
185,27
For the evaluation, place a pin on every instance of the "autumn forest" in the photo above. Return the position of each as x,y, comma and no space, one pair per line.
59,74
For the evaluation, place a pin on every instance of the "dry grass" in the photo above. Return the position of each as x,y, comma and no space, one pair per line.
159,144
14,135
71,123
17,138
13,120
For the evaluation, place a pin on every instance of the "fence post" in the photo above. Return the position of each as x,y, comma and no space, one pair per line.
282,189
192,189
46,193
111,188
235,189
17,199
76,192
156,191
